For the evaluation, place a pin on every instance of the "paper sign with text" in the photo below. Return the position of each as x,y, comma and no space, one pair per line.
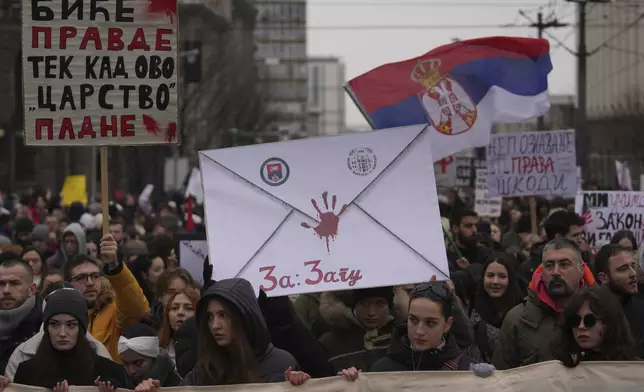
485,205
100,72
362,214
193,249
456,170
532,164
606,213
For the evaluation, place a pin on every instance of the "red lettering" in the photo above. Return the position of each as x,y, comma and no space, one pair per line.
46,123
66,32
314,268
533,164
138,41
65,128
444,163
91,34
105,127
35,30
127,129
87,129
161,43
115,39
269,277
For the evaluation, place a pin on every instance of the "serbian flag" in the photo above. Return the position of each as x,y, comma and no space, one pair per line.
460,89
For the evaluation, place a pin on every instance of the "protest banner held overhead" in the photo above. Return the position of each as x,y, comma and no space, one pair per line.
456,170
290,225
484,204
532,164
606,213
100,72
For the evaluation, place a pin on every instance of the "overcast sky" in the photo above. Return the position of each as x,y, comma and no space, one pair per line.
402,29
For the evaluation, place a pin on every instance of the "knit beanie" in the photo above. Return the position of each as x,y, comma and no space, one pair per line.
66,301
386,292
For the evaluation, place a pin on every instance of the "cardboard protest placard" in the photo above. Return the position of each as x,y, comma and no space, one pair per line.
484,204
193,250
456,170
606,213
542,377
532,164
100,72
365,214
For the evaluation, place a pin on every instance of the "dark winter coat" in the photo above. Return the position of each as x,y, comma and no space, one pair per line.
25,330
401,358
271,361
103,367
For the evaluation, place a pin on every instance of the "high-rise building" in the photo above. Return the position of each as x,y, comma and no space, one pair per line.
280,35
326,105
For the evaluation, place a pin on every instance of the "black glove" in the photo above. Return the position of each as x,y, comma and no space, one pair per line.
207,273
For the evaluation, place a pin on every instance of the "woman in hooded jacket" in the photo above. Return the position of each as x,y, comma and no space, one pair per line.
65,356
234,342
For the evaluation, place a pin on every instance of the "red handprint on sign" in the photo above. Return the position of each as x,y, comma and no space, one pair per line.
154,128
329,220
587,217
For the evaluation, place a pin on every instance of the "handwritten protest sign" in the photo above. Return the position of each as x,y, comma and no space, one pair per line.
484,204
456,170
606,213
543,377
193,249
532,164
99,72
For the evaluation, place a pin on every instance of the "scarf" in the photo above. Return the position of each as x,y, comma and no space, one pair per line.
10,319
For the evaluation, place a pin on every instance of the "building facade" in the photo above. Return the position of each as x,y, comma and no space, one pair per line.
615,90
280,36
326,105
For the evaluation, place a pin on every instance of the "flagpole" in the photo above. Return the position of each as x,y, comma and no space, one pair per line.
359,106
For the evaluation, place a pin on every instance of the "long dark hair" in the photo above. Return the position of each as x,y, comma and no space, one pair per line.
234,364
493,310
139,268
617,342
76,365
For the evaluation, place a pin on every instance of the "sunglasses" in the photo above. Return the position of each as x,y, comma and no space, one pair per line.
432,289
590,320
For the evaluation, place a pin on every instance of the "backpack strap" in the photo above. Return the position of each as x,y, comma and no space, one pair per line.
452,364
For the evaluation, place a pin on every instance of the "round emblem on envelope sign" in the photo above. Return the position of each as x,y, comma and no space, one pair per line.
362,161
274,171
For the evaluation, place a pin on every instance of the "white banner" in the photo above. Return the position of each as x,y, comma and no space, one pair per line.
532,164
485,205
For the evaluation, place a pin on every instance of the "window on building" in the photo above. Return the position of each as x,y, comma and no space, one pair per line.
315,85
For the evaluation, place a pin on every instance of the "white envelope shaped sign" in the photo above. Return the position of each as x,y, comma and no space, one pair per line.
330,213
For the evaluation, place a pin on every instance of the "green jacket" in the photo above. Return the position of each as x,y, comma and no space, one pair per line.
525,334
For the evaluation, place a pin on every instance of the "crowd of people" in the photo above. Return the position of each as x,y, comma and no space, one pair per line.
116,310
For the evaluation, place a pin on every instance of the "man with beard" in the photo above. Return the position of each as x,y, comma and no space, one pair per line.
525,334
466,249
616,267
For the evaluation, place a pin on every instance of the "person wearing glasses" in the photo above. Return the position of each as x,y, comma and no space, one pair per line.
616,267
108,314
593,328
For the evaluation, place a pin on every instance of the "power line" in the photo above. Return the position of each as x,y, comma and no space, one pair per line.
625,29
417,4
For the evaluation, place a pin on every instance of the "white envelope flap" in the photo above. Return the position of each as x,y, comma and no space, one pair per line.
315,175
406,205
241,218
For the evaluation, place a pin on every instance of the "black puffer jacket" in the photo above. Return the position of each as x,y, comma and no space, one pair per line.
271,361
29,326
401,358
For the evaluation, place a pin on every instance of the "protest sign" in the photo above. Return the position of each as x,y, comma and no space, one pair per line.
99,72
455,171
484,204
543,377
532,164
606,213
193,249
291,225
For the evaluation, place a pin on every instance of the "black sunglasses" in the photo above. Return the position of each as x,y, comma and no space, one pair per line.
432,289
589,320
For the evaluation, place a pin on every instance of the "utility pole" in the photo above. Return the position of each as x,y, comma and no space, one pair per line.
541,26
